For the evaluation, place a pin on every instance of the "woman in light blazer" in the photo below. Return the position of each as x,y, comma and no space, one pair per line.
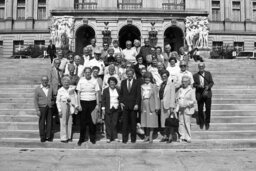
150,105
67,105
185,106
167,98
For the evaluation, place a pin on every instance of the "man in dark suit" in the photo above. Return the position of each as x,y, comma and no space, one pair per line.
43,104
51,50
130,98
145,51
203,83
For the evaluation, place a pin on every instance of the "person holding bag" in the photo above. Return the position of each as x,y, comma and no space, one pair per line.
67,105
185,106
150,105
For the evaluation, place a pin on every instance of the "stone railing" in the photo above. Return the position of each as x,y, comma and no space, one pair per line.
129,6
173,6
86,5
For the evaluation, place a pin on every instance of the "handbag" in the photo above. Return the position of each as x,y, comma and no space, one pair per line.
171,122
205,94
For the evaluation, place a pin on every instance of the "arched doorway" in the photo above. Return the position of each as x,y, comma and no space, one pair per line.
128,32
174,36
83,36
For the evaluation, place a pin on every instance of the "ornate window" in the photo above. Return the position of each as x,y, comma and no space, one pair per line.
216,46
129,4
21,9
236,9
2,7
41,12
86,4
216,11
173,4
239,46
18,45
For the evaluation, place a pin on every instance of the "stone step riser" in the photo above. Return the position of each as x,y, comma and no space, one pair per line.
195,135
33,118
214,127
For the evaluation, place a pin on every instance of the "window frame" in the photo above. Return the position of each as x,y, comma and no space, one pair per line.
42,6
15,43
237,49
216,8
2,7
19,7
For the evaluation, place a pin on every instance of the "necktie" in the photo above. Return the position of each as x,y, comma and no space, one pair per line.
129,85
76,70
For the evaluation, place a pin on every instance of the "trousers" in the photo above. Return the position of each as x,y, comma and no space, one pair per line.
184,125
111,119
201,118
45,122
129,122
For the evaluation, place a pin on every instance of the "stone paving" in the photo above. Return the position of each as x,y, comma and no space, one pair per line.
127,160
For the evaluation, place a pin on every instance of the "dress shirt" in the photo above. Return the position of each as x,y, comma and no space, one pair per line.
86,60
129,81
201,77
88,88
99,63
80,70
45,89
173,70
146,91
117,50
130,55
156,75
114,102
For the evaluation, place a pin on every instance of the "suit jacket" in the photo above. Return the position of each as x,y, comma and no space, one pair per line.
169,95
51,50
40,99
154,101
207,82
54,80
189,101
106,99
132,98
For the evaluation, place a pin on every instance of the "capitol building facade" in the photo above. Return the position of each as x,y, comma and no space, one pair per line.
215,23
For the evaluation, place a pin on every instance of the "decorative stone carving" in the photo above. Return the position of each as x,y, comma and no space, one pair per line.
106,34
62,32
197,31
153,34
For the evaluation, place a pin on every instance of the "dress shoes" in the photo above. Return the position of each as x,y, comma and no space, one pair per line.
201,126
108,140
79,143
207,126
42,139
146,139
64,141
163,139
49,139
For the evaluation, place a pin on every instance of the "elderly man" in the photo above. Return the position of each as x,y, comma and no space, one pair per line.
129,53
203,84
111,73
130,100
63,61
145,50
183,72
79,68
167,54
93,45
136,46
97,61
55,75
51,50
86,57
43,101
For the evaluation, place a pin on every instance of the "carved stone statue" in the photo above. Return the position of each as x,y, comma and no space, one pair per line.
197,30
62,31
153,35
106,34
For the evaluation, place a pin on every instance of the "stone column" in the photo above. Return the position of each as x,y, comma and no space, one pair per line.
30,14
227,12
9,14
248,15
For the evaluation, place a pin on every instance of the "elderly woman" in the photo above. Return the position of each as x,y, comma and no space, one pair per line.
67,105
88,101
150,105
111,73
110,106
167,98
185,106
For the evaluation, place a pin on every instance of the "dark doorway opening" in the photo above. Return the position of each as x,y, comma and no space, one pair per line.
83,36
174,36
128,32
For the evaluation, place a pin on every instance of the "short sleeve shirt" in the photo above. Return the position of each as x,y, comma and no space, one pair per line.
88,89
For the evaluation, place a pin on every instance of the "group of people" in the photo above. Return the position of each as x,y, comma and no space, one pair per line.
140,86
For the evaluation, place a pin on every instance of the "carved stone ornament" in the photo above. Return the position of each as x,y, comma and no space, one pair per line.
197,31
153,35
106,34
62,32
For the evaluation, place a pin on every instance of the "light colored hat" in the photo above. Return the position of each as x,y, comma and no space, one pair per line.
97,51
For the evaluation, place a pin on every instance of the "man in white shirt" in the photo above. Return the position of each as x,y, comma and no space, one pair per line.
136,47
93,45
183,72
97,61
86,57
63,61
111,73
79,69
130,53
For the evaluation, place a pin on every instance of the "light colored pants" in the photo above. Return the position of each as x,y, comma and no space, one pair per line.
184,125
65,123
